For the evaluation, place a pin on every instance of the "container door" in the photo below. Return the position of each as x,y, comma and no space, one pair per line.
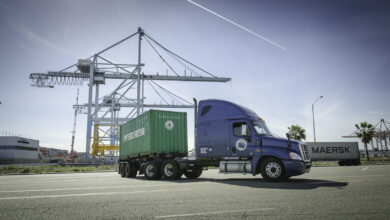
242,139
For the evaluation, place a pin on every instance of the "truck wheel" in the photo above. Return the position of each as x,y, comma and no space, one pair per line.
196,172
272,170
170,170
152,170
122,170
133,170
127,170
341,163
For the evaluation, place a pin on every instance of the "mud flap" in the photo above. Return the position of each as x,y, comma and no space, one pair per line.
255,160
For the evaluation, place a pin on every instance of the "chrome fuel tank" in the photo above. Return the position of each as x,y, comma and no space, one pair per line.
235,167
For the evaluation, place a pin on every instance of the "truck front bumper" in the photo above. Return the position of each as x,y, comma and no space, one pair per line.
296,167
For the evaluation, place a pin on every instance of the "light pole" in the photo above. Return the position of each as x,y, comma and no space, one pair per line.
312,110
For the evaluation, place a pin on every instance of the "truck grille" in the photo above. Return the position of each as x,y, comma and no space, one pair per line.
305,152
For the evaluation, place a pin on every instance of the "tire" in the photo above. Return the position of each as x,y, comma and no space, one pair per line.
152,170
196,172
122,170
133,170
272,170
341,163
127,170
356,162
170,170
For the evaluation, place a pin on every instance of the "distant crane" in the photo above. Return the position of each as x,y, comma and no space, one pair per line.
72,155
381,135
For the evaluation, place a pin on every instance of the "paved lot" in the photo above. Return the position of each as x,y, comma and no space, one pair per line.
361,192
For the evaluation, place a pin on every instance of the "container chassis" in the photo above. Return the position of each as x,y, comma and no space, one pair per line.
164,166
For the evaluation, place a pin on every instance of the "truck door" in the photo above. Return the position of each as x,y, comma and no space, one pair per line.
242,143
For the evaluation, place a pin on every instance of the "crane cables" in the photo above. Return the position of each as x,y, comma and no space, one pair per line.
177,56
170,67
173,95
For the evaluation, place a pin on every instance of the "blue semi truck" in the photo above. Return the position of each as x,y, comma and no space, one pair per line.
228,136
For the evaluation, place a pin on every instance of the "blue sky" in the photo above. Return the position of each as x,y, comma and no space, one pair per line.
338,49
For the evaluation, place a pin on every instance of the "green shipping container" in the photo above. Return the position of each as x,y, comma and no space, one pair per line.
155,131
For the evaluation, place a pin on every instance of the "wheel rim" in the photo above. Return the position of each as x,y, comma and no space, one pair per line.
168,169
273,170
149,170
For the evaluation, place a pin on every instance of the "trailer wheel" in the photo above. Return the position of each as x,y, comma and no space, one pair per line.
341,163
356,162
122,170
272,170
133,170
170,170
196,172
152,170
127,170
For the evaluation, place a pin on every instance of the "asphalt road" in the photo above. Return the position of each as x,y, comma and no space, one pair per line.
361,192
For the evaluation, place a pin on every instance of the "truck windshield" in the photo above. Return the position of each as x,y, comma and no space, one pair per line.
261,128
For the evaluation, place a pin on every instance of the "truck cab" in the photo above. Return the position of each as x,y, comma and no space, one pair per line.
241,142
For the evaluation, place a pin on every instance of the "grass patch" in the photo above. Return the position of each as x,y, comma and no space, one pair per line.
376,161
324,163
373,161
11,170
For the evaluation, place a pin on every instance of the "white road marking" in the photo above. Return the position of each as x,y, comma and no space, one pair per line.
234,23
212,213
90,194
80,188
98,187
47,180
365,168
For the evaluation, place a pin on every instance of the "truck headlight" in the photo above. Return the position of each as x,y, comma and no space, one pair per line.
295,156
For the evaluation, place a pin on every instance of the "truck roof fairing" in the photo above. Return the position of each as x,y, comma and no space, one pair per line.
220,109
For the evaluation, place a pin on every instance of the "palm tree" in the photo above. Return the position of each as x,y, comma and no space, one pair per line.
366,132
297,132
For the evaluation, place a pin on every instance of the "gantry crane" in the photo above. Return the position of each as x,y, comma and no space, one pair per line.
107,111
381,136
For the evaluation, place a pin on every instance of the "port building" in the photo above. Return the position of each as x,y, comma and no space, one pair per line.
18,150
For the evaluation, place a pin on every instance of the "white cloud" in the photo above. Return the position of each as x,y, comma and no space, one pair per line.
46,43
19,27
332,107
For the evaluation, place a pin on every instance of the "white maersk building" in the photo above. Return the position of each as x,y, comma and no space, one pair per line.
15,150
